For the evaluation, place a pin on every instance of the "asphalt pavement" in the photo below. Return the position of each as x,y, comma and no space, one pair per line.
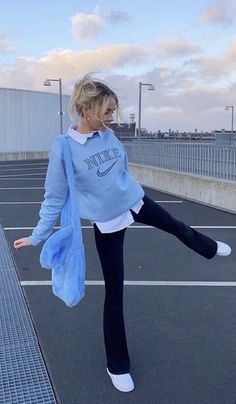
179,307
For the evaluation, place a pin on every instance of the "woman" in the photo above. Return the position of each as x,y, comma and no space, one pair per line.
111,199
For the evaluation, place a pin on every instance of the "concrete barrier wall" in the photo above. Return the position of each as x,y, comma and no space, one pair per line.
215,192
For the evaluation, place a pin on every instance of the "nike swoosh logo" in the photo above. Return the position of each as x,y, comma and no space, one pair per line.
101,174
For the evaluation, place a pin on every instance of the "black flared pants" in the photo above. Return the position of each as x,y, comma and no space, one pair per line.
110,251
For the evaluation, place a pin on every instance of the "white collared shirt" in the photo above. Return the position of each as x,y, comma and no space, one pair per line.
122,221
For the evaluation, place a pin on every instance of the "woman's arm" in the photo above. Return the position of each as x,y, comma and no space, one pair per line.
56,192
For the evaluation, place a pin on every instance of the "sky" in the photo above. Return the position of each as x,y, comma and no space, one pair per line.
185,49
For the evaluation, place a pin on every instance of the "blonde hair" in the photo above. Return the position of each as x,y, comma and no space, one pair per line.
93,94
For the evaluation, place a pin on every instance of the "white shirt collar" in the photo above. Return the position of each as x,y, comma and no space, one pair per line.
82,138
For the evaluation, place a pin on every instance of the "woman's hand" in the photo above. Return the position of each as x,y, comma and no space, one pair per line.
22,242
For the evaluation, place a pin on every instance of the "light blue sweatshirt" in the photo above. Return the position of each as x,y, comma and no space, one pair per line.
105,187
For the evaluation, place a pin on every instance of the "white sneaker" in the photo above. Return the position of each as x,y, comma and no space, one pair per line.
122,382
223,249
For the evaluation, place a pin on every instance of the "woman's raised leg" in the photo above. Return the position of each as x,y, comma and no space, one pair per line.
154,215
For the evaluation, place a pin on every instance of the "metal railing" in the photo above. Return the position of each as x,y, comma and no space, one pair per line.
201,159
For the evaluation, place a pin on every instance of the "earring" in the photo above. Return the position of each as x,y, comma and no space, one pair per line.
86,119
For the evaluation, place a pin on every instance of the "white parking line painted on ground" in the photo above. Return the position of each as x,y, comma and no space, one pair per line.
16,176
130,227
19,203
141,283
23,165
169,201
214,227
18,169
21,188
36,202
21,179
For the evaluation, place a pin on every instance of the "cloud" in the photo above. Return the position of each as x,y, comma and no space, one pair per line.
86,26
175,79
117,16
230,52
180,101
165,110
175,47
215,67
69,65
223,12
199,106
5,45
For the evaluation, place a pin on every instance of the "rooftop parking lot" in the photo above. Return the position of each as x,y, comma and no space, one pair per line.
179,307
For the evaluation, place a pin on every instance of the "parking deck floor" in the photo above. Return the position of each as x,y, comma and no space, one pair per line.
179,307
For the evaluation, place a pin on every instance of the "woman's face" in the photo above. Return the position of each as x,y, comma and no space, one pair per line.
95,124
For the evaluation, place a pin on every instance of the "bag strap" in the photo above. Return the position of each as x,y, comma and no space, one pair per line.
66,152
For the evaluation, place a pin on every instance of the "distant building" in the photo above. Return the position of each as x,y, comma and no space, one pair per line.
30,120
125,131
129,132
224,136
187,136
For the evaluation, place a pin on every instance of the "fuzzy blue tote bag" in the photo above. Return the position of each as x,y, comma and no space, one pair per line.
63,252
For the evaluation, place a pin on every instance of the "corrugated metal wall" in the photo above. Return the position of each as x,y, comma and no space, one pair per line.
30,120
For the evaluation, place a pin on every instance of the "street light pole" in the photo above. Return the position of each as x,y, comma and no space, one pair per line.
61,112
232,117
139,110
232,123
48,83
150,87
